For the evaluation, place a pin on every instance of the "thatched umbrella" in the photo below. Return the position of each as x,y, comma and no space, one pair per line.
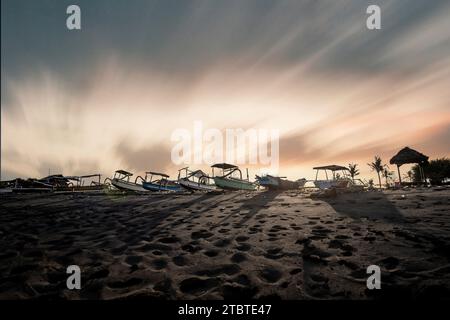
408,155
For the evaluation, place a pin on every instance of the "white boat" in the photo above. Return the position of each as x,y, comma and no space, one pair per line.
340,177
159,182
231,178
195,180
121,181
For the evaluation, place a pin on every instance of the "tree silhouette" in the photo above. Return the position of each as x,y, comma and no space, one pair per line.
353,170
377,165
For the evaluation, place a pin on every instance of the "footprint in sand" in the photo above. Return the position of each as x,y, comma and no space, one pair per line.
180,260
390,263
359,274
238,257
242,279
335,244
23,268
228,269
236,292
101,273
243,247
242,238
196,285
133,260
56,276
348,264
171,239
125,284
154,246
319,278
295,271
274,253
190,248
201,234
159,264
253,230
222,243
211,253
270,275
164,286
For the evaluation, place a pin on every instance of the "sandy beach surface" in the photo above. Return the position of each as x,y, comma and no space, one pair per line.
234,245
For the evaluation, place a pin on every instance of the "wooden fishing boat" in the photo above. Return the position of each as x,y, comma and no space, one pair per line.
340,177
121,181
279,183
30,185
86,183
231,178
195,180
159,182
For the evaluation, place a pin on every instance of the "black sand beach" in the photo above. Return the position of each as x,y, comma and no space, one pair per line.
230,245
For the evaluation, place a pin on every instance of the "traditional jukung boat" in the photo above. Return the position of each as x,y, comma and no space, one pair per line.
29,185
340,177
195,180
229,182
159,182
84,183
121,181
279,183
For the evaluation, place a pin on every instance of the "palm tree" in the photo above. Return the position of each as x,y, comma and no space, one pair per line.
410,175
387,174
353,171
377,166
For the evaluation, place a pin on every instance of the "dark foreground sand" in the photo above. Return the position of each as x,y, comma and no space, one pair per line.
230,245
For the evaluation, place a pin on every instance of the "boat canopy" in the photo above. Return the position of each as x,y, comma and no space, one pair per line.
157,174
77,178
332,167
55,176
198,174
126,173
223,166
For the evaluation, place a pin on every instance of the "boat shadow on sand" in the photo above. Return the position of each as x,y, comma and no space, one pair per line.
376,206
195,207
369,205
250,207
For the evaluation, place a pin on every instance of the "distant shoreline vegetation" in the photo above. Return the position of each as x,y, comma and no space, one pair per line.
437,171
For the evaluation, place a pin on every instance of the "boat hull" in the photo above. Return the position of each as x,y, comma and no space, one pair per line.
275,183
161,187
127,186
233,184
327,184
82,188
31,190
195,186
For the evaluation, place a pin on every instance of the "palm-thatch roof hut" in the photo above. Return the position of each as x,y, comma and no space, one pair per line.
408,155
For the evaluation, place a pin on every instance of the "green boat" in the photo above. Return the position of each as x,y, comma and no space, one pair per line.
231,178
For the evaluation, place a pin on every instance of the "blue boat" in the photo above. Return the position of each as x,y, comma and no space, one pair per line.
160,182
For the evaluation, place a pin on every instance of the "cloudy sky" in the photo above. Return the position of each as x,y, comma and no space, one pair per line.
110,95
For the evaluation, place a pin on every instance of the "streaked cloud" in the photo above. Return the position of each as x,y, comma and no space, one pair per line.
110,95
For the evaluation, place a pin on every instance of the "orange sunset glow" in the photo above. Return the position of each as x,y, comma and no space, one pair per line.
338,93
